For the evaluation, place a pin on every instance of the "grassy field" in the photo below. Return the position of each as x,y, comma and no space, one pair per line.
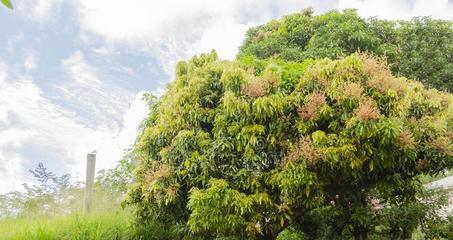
108,225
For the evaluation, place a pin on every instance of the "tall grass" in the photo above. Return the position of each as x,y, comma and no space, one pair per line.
76,226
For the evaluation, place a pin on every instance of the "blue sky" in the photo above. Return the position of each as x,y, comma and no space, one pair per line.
72,72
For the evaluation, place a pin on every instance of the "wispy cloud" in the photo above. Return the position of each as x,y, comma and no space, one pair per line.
38,10
173,30
29,119
31,61
98,101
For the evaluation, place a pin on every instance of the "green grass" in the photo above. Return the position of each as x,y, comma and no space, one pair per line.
77,226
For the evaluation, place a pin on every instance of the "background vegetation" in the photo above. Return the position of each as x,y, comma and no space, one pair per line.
419,49
54,208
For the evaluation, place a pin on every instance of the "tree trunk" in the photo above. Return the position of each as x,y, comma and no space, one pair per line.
360,234
406,234
268,236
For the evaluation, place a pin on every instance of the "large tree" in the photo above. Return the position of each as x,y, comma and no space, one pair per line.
250,148
420,49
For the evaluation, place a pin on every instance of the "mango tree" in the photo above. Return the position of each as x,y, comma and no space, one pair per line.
245,149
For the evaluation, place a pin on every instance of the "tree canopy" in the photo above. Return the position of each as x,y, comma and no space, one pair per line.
249,148
420,49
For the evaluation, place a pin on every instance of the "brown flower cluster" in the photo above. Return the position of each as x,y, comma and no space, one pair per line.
315,73
293,156
162,172
380,74
261,34
256,88
383,84
309,151
444,145
251,70
350,90
367,111
304,149
310,111
374,64
406,140
434,95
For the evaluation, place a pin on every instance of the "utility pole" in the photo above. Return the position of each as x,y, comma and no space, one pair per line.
89,182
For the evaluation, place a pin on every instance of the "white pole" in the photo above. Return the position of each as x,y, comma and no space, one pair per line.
89,182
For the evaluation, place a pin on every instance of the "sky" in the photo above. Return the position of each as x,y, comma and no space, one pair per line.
73,72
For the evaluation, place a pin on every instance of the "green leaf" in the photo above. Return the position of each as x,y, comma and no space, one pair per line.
7,3
318,136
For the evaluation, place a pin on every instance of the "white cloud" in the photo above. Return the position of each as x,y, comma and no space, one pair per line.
43,8
177,29
103,106
37,10
28,119
91,93
11,138
173,30
132,119
226,47
31,61
13,40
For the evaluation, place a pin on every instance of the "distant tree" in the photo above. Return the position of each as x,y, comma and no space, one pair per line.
421,48
247,149
43,176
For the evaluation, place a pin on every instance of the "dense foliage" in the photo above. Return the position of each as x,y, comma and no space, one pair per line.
247,149
420,49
